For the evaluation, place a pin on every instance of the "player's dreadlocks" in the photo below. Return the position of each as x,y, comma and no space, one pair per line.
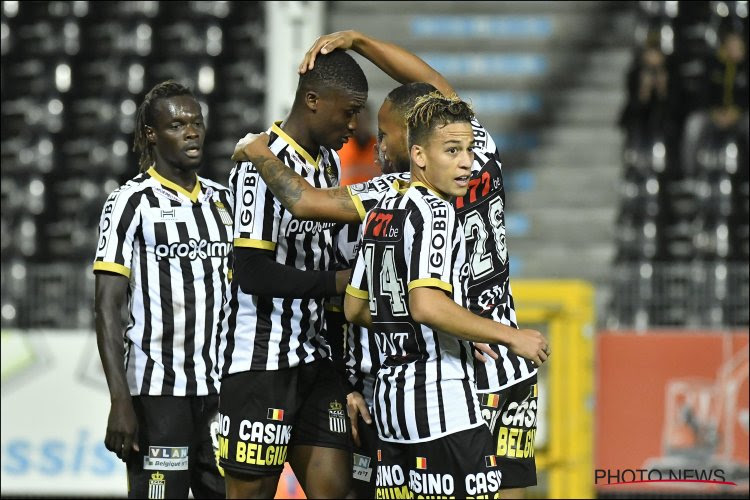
145,116
336,69
433,110
403,97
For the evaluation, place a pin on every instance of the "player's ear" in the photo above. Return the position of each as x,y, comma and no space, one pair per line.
312,100
150,134
417,155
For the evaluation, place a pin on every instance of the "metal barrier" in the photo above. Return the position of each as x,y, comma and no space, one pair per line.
687,295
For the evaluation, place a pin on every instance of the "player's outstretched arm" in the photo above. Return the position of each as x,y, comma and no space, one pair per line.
122,425
435,309
395,61
303,200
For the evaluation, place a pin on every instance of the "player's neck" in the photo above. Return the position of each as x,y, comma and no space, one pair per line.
186,179
296,128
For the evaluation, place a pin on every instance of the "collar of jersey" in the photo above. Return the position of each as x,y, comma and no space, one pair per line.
402,186
276,128
171,185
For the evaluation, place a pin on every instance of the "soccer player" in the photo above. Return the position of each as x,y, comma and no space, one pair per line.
164,246
281,399
358,355
408,287
507,385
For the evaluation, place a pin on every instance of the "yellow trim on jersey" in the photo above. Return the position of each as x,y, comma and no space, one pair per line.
357,204
431,283
276,128
430,189
166,182
229,275
332,308
112,267
400,186
356,292
250,243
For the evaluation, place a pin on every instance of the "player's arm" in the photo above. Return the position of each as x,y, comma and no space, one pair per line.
258,273
122,425
357,309
432,307
303,200
395,61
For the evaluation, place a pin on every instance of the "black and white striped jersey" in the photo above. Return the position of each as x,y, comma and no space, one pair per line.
482,214
425,386
361,356
271,333
175,246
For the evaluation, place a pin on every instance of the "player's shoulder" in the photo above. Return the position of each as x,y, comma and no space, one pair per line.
216,186
133,186
428,205
485,148
380,183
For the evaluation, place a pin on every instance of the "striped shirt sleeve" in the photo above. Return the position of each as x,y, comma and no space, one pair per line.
357,286
117,227
256,212
366,195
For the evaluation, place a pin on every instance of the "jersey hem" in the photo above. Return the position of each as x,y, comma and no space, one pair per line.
430,282
356,292
251,243
111,267
432,438
509,384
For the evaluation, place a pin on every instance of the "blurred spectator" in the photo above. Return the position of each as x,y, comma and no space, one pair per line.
651,112
358,155
722,104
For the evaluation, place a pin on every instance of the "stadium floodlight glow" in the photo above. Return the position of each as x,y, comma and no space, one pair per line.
62,77
10,9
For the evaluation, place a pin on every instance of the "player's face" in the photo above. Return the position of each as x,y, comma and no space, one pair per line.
178,132
337,111
392,153
444,162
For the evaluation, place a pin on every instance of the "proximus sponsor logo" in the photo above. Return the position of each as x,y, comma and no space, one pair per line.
193,249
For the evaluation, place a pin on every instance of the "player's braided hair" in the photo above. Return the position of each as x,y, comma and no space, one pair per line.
145,116
403,97
336,69
433,110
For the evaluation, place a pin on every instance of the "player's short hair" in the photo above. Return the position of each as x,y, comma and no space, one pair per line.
403,97
337,70
435,110
145,116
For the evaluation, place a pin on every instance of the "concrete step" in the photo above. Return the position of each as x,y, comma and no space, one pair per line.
476,7
495,31
569,225
579,187
551,260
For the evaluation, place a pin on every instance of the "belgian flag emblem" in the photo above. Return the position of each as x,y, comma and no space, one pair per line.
421,463
275,414
492,400
490,460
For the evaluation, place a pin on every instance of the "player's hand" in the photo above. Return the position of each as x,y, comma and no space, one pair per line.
342,279
122,429
480,348
250,145
325,44
356,405
530,344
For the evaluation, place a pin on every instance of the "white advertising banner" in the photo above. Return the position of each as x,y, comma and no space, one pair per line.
55,406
